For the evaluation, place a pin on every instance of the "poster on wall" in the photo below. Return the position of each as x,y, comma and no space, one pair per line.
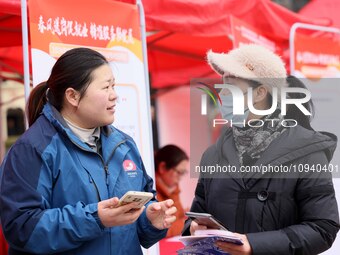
113,29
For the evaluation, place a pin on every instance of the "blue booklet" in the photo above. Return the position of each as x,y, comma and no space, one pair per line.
203,242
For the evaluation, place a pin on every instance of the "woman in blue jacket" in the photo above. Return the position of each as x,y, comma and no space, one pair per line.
60,182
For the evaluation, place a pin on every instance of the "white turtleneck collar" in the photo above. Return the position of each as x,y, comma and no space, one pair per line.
88,136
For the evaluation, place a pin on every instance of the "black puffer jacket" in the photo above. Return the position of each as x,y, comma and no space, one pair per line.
297,214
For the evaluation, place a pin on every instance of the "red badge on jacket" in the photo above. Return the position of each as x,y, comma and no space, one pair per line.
129,165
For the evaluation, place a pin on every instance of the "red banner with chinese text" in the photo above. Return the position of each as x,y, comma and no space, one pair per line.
316,57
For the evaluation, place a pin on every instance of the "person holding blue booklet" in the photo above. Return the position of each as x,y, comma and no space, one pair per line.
272,213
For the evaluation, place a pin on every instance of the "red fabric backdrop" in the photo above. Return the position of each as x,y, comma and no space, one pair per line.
185,31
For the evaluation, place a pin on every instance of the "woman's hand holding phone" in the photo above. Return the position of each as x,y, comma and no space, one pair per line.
116,212
111,214
203,221
195,226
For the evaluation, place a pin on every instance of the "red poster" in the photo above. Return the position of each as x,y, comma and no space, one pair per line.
58,25
316,57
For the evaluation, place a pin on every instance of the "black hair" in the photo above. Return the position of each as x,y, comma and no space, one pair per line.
72,70
172,155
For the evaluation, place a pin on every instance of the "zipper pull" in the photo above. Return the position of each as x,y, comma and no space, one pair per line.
106,168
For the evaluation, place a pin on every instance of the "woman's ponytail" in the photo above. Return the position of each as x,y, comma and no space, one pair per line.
36,102
294,112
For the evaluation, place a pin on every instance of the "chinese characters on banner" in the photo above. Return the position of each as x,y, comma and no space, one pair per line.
61,26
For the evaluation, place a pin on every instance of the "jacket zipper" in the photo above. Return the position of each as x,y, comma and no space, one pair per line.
95,186
106,166
107,173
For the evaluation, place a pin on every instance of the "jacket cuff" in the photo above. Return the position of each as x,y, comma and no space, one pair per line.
269,242
93,210
99,222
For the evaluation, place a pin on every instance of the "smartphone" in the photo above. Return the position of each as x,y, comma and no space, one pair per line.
136,196
205,219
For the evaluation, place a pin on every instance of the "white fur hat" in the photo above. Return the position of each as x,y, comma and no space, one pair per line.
252,62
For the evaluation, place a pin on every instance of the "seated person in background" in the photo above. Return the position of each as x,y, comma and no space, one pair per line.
171,164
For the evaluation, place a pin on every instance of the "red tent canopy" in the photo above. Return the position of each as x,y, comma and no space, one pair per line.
185,31
210,17
11,40
326,9
189,29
